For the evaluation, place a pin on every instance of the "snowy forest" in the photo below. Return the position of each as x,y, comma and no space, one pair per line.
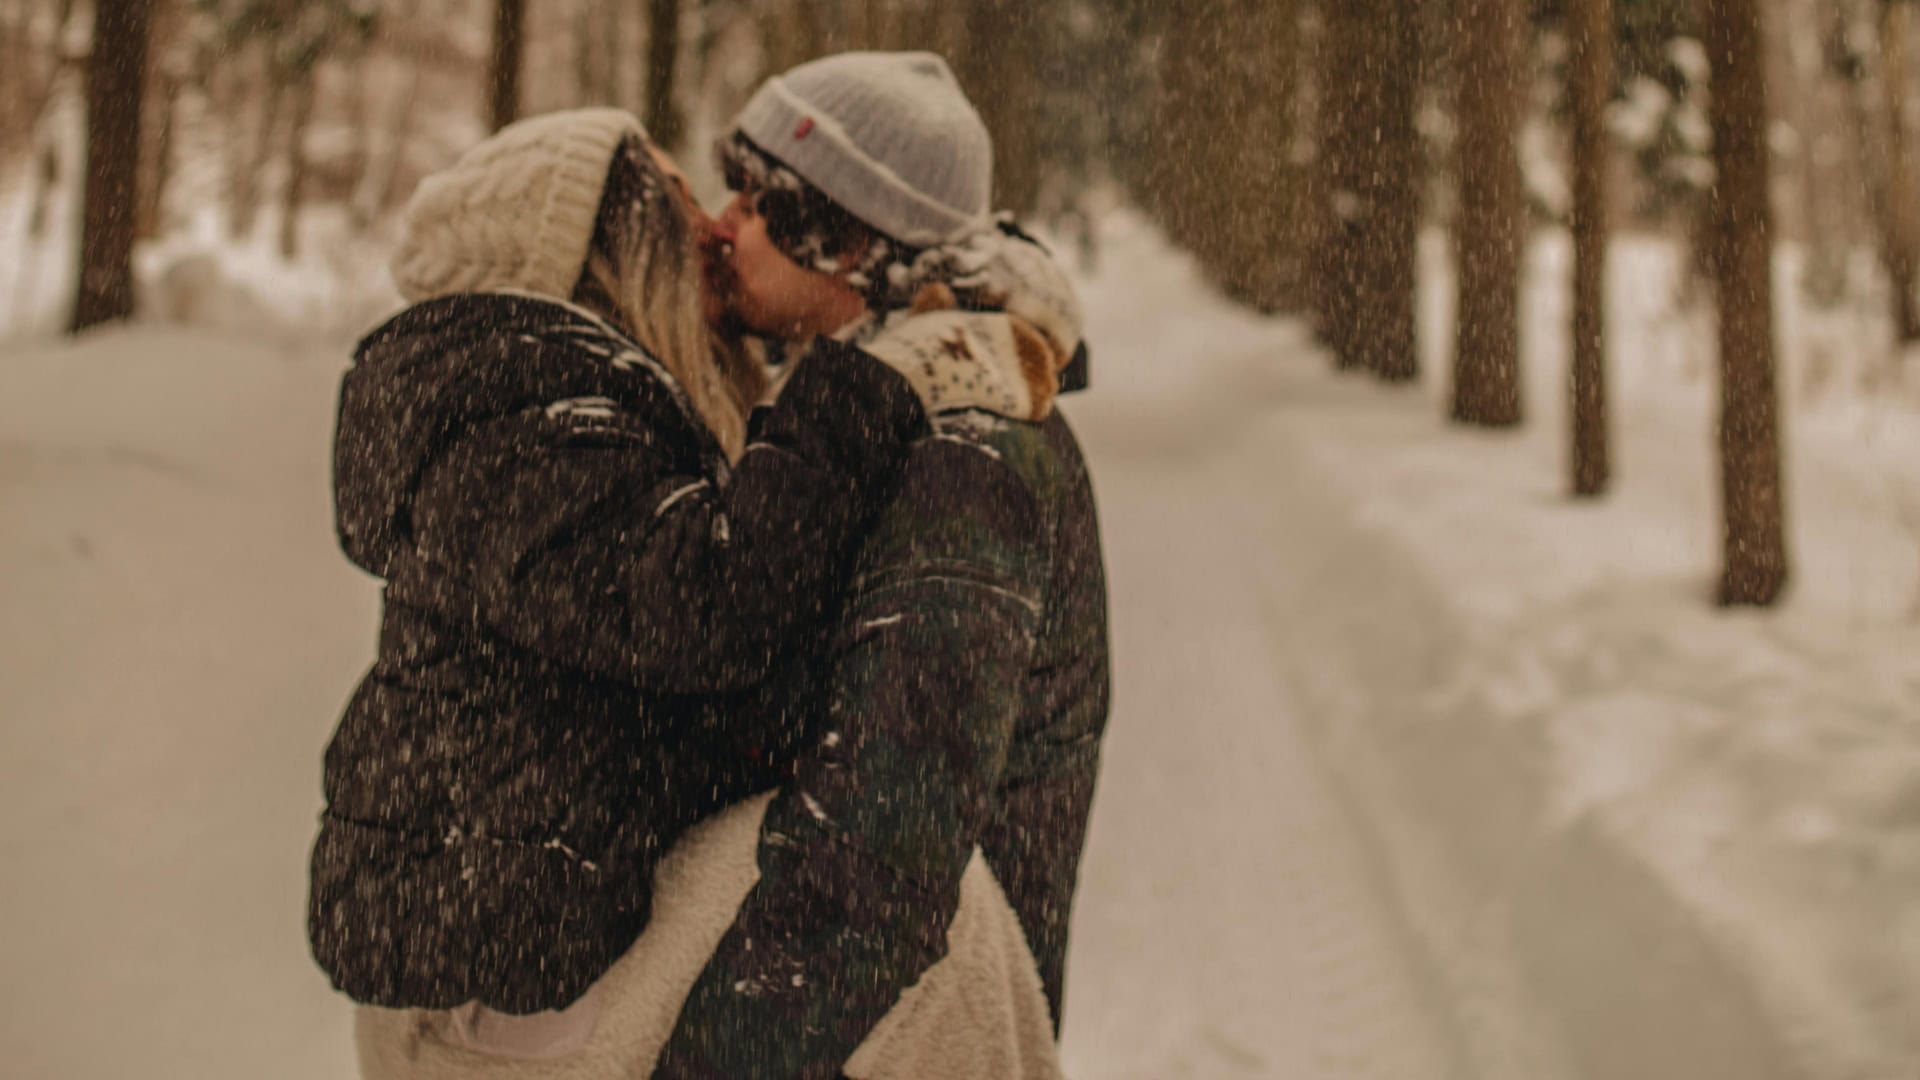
1506,421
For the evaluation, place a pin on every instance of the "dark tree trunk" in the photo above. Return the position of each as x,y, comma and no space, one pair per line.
1384,337
878,29
1486,387
813,33
156,122
359,117
391,190
116,73
791,32
32,76
253,157
996,68
1754,518
1222,176
156,154
1902,215
1346,36
597,38
1590,85
663,58
295,192
503,75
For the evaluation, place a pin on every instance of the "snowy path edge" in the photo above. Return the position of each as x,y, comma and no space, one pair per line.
1563,954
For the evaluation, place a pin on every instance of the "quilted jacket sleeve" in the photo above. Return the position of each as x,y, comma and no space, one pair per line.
571,531
861,857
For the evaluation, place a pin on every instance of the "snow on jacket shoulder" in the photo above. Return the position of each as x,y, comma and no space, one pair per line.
566,558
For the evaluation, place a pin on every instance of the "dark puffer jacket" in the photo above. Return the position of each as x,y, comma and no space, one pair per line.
967,688
567,562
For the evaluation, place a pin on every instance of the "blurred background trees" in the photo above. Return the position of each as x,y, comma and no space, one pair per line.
1305,152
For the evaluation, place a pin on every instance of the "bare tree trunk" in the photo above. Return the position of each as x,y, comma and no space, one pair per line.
253,158
1333,275
1902,244
996,68
1225,110
503,74
946,30
29,86
880,23
1385,338
359,113
613,58
156,124
1590,85
115,74
791,32
664,120
295,190
391,188
857,23
813,32
1754,518
1486,388
1829,226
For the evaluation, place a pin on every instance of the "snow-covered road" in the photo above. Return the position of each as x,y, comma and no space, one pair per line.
179,632
1229,924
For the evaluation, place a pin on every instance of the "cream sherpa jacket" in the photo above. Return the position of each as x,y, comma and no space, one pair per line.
979,1014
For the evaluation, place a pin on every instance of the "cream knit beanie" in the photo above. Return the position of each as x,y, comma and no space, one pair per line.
515,212
889,137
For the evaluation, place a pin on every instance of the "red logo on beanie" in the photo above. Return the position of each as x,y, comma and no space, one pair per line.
805,129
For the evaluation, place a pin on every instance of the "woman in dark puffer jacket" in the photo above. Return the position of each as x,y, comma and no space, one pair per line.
543,460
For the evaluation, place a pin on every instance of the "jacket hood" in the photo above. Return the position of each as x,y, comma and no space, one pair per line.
444,367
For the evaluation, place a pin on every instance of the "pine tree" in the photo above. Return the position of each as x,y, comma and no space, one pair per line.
116,76
1488,236
1590,85
1753,512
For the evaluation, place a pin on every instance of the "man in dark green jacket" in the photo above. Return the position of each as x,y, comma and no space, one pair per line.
967,687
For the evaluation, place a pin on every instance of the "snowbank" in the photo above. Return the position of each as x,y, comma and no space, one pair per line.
1613,766
177,631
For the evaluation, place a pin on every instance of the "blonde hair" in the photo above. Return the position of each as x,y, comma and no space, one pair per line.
644,269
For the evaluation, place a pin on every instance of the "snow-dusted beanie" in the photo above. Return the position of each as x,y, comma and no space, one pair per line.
515,212
890,137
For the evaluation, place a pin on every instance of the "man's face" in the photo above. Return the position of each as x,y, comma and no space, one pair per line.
753,283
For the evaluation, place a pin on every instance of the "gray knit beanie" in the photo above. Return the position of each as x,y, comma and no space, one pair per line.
516,211
889,137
